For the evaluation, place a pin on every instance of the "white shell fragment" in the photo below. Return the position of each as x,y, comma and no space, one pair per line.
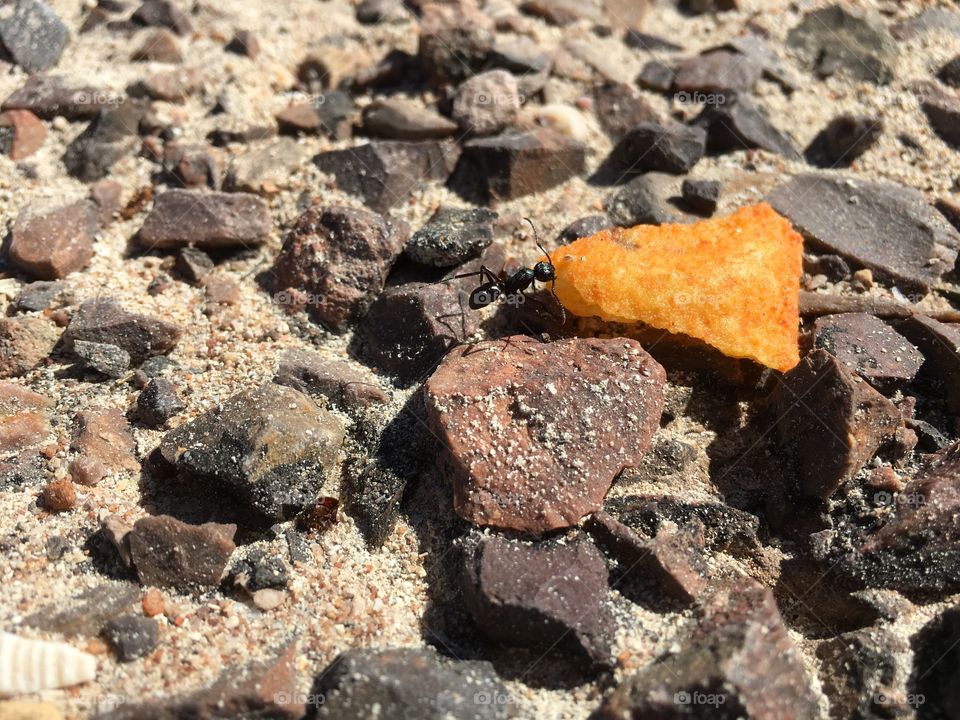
32,665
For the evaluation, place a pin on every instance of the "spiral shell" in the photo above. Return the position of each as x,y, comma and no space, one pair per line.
32,665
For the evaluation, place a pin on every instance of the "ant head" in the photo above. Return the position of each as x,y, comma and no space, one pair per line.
544,272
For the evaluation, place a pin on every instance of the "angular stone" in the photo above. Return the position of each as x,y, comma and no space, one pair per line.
645,200
402,119
508,166
409,328
87,612
298,118
674,560
830,422
936,658
38,295
104,358
132,636
843,140
104,435
520,460
340,258
656,76
106,196
487,103
170,553
882,226
673,148
159,46
270,446
817,304
455,39
33,35
21,134
104,321
192,166
51,245
556,12
206,220
244,43
409,683
48,96
385,172
738,661
737,123
267,168
24,418
842,38
701,195
584,227
24,343
158,402
110,136
619,108
916,547
343,383
942,109
162,13
452,236
940,344
519,55
717,71
542,595
861,674
173,85
868,347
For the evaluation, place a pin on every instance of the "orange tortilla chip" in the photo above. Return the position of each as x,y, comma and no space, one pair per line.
733,282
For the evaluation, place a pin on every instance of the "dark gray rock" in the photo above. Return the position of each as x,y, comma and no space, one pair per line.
455,40
672,148
656,76
452,236
644,201
401,119
105,321
271,447
942,108
409,683
38,295
940,344
738,124
323,376
519,55
48,96
930,19
258,570
843,38
170,553
162,13
132,636
701,195
936,662
192,265
158,402
104,358
584,227
110,136
385,172
87,612
207,220
717,71
540,595
883,226
843,140
619,108
33,35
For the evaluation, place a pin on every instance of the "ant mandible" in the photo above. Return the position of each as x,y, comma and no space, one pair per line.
514,285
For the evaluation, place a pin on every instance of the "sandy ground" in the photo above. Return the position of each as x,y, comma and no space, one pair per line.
346,595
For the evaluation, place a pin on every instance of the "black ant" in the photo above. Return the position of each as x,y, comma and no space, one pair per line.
513,286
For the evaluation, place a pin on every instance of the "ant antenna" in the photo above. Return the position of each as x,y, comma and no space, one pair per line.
553,283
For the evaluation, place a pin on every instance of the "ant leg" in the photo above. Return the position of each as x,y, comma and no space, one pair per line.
484,273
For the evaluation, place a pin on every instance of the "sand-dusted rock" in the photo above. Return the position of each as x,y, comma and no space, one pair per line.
869,347
452,236
540,595
882,226
103,358
487,103
345,384
533,444
737,123
403,119
21,134
455,39
385,172
266,168
169,553
846,39
104,321
831,422
51,245
158,402
104,435
33,35
514,164
339,258
940,344
132,636
24,417
205,220
409,683
270,446
737,662
87,612
24,343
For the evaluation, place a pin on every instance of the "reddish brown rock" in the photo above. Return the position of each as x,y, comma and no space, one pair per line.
24,417
831,422
940,344
339,258
51,245
206,220
170,553
536,432
173,85
58,496
104,436
541,595
717,71
25,341
301,117
87,470
104,321
21,133
158,46
869,347
105,194
619,108
739,659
